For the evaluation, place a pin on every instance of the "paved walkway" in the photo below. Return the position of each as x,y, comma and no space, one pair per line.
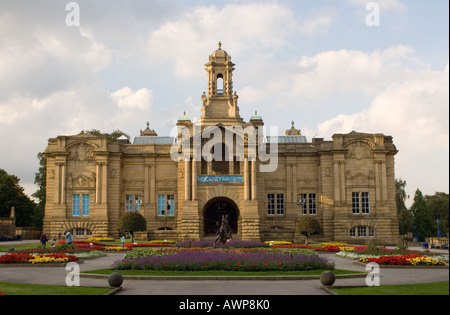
57,276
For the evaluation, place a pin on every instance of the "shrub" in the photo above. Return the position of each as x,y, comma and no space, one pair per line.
132,222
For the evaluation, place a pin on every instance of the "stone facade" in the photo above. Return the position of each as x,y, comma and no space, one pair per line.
347,184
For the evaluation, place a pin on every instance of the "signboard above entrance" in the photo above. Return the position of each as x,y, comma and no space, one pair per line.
212,179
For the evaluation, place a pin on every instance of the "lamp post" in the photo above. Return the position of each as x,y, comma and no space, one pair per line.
300,202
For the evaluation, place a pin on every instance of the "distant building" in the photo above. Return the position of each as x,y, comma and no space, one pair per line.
264,184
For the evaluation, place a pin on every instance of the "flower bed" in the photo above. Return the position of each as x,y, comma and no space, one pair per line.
197,260
230,243
411,259
273,243
23,258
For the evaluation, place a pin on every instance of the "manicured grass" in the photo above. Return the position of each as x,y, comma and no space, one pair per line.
9,288
218,273
438,288
5,248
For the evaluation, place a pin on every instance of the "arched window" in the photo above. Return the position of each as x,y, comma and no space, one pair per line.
220,84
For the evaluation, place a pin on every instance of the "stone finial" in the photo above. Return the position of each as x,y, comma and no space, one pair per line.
293,131
220,45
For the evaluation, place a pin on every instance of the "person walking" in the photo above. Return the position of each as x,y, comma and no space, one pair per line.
68,238
43,239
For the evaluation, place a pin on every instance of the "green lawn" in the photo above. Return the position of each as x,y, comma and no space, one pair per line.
438,288
9,288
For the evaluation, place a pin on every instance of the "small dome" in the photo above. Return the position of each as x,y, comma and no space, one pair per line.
256,117
219,53
184,117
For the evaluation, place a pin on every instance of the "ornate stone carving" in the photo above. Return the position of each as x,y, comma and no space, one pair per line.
359,150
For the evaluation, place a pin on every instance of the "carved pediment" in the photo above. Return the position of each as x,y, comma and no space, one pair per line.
81,151
81,181
359,150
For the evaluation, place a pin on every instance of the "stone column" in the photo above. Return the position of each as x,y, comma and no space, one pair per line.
63,183
187,180
194,180
254,182
104,183
246,179
57,184
146,183
152,184
97,184
384,180
294,182
289,183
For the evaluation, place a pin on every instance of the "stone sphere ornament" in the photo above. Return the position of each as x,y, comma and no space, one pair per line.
327,278
115,280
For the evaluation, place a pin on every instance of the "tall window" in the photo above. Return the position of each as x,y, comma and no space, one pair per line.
365,206
80,204
355,203
76,205
271,204
85,205
275,202
310,203
132,203
360,202
166,205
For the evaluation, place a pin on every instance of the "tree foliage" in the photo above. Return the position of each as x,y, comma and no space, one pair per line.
422,216
132,222
438,205
13,195
308,226
112,137
405,217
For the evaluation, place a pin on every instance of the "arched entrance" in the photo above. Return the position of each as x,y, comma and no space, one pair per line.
213,212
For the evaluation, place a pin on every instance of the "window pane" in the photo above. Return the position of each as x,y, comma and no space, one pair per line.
129,203
280,204
76,205
137,201
85,208
365,202
312,204
161,205
170,205
304,204
355,203
270,204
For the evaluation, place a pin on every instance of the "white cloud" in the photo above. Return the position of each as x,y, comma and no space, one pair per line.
415,112
239,27
126,99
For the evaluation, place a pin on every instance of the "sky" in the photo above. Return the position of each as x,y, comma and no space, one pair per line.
331,66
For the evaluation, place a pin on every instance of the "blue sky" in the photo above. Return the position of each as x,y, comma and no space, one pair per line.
315,62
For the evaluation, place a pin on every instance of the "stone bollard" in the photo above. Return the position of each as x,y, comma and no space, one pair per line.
327,278
115,280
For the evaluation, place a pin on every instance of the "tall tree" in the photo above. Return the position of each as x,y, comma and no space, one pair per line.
40,179
422,216
405,217
439,209
13,195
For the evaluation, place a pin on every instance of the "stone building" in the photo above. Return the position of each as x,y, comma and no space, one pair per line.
220,165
